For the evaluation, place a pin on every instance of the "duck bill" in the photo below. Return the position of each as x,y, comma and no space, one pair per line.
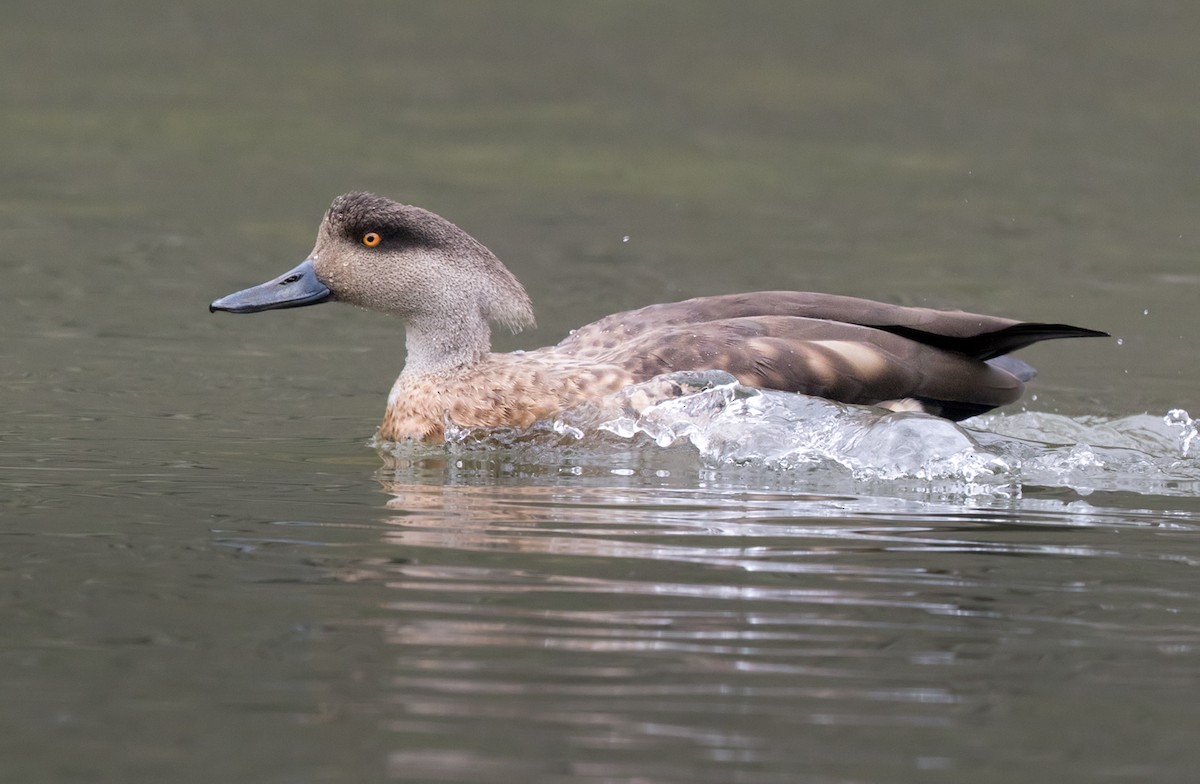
293,289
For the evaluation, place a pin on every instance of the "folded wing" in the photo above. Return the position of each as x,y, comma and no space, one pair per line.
841,348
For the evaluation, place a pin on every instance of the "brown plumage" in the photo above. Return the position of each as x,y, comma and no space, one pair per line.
447,287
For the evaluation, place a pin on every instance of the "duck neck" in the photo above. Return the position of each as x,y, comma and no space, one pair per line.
440,345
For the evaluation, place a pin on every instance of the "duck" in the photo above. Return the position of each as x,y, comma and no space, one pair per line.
448,289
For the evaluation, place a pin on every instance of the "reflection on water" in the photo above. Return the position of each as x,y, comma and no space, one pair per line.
622,611
637,622
735,635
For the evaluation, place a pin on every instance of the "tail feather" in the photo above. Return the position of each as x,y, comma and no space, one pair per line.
990,345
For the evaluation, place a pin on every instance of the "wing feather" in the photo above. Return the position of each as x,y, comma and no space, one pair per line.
842,348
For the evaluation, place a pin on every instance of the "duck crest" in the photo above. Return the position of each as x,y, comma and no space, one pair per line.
446,287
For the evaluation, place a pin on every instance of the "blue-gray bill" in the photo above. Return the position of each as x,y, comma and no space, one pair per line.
293,289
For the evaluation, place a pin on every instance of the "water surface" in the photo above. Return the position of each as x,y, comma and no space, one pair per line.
210,573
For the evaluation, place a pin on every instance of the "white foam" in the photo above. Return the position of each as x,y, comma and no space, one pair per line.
727,426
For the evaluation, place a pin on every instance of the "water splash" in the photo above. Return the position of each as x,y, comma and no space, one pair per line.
733,427
1177,417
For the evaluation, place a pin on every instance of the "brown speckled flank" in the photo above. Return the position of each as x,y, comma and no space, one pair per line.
447,287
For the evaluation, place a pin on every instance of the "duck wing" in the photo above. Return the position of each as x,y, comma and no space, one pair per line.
840,361
972,334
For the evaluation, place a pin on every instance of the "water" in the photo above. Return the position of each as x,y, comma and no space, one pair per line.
211,572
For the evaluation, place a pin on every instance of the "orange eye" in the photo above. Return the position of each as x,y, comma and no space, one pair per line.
371,239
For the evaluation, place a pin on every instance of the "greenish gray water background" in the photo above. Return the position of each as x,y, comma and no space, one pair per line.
207,575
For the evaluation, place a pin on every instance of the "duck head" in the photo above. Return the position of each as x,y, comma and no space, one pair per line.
408,262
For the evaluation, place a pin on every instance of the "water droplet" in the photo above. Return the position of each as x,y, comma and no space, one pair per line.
625,238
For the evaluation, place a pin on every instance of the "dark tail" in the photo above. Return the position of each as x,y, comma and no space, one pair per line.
990,345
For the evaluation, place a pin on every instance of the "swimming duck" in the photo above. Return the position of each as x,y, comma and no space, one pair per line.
447,288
